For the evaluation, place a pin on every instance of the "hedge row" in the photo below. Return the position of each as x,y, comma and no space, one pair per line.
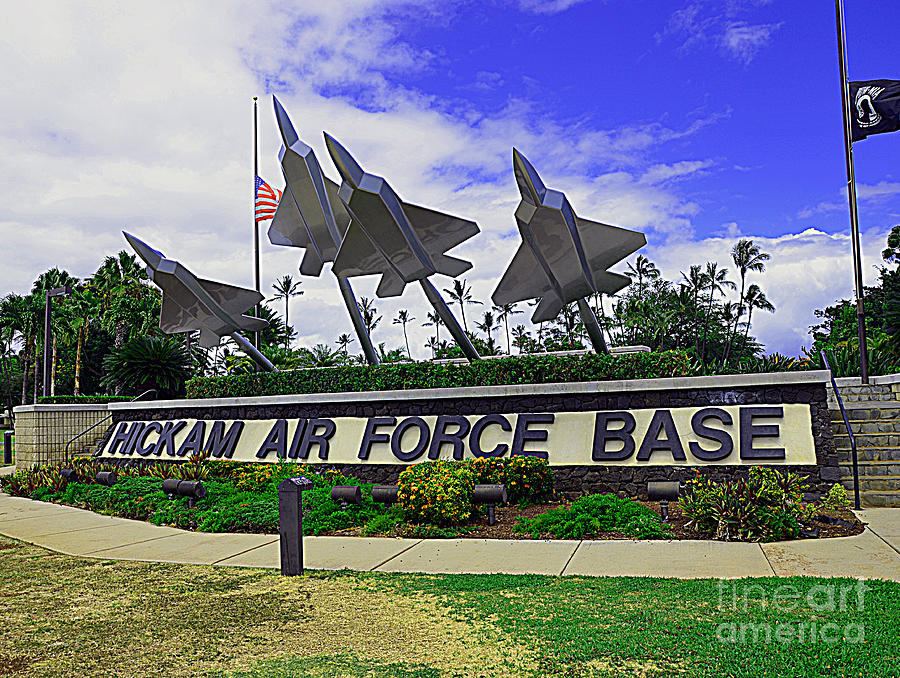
82,400
524,369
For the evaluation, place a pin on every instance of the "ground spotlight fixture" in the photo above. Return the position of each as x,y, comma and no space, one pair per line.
192,489
385,494
346,494
69,475
490,496
107,478
663,491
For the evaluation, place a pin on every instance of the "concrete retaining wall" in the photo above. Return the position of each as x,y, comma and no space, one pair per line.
42,432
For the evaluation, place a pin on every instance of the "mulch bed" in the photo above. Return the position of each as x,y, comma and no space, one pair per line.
506,519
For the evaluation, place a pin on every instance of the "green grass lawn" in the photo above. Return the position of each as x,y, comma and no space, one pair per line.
64,616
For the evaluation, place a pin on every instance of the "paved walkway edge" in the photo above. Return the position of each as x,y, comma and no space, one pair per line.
874,554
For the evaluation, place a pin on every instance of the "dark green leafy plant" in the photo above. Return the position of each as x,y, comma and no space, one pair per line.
146,363
593,514
766,506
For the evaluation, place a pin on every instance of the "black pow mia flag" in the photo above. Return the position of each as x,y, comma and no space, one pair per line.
874,107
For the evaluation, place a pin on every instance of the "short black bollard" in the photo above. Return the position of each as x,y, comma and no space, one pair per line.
385,494
290,524
7,447
663,491
489,495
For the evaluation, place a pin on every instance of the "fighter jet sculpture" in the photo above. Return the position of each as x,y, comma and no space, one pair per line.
311,216
562,258
190,303
404,243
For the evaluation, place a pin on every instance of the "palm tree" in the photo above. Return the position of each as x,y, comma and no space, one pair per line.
20,318
47,281
285,288
369,314
642,268
434,318
82,306
117,276
521,338
344,341
462,294
747,257
487,326
716,282
433,344
503,313
754,299
402,318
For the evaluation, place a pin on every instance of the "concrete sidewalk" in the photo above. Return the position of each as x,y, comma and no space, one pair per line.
874,554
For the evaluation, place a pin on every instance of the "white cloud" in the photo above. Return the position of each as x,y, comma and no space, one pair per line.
547,6
701,22
744,40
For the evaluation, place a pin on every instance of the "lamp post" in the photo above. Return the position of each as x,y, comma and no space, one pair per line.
48,306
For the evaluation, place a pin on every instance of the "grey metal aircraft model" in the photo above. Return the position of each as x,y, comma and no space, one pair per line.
310,215
190,303
562,258
403,242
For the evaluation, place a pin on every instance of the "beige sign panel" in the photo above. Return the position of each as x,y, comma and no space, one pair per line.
732,435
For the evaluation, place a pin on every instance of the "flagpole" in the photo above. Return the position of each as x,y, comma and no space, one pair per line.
257,342
851,192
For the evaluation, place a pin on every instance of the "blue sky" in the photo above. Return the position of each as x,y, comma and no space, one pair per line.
695,121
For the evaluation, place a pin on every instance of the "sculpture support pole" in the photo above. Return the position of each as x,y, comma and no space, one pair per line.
437,301
589,320
251,351
356,318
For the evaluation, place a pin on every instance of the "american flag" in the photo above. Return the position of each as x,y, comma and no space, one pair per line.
266,200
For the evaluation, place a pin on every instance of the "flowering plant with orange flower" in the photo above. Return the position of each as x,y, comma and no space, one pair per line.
437,492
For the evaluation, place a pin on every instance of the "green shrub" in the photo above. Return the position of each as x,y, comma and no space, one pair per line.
526,369
836,498
383,523
767,506
593,514
437,493
526,478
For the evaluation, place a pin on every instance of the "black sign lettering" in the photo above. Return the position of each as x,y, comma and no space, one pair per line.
698,425
120,437
141,446
294,451
310,437
370,437
221,444
421,444
276,441
193,444
603,433
662,422
751,431
524,433
441,437
166,440
478,428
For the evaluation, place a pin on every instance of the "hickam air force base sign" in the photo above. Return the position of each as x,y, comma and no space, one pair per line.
732,435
